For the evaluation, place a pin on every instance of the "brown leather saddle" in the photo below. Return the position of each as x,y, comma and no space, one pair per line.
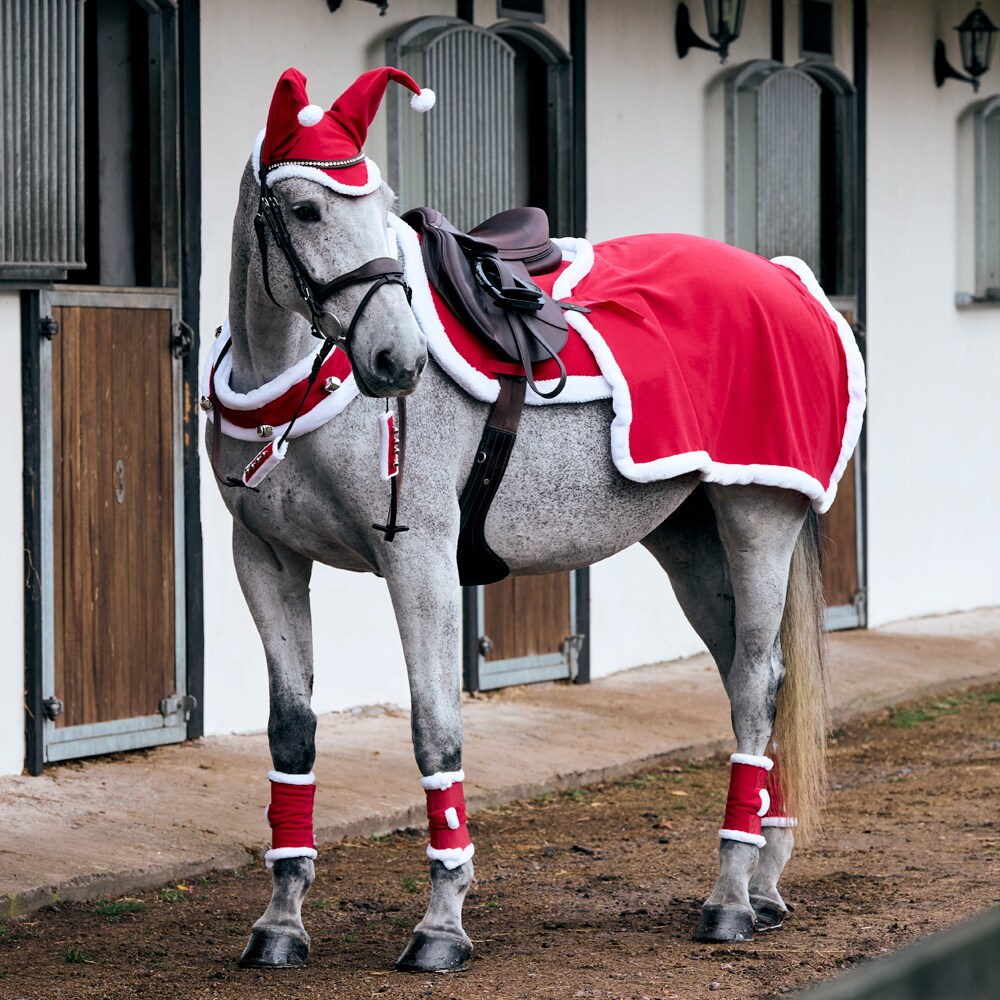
484,278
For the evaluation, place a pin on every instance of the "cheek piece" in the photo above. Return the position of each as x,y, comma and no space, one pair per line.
748,799
449,836
291,816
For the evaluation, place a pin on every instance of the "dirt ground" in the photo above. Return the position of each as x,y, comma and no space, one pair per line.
592,893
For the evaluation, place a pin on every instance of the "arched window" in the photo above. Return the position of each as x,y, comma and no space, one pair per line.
790,154
499,130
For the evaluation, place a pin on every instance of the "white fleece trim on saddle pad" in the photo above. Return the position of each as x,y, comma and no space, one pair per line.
315,174
579,388
291,779
441,780
749,758
744,838
782,821
320,414
279,853
856,383
451,857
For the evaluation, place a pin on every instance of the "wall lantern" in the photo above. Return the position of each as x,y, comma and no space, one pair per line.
724,17
977,35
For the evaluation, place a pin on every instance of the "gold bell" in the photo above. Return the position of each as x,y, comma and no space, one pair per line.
332,384
205,403
265,431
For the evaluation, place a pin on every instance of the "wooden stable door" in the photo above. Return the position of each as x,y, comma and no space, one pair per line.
114,665
525,631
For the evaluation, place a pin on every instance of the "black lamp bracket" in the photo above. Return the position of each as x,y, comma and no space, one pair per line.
686,38
943,70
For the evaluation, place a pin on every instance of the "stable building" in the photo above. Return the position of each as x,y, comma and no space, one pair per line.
840,132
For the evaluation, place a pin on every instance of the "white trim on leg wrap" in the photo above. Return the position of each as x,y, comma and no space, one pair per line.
279,853
451,857
744,838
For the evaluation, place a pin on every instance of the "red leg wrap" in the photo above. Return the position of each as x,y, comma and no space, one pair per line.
450,842
291,817
746,801
777,815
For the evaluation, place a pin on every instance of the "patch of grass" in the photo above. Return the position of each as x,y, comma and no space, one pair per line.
322,904
643,780
78,956
575,794
411,884
990,697
401,923
173,893
349,938
114,909
907,718
381,836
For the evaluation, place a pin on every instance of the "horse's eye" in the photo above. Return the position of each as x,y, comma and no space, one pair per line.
306,212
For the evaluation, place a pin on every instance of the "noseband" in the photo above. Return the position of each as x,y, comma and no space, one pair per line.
325,325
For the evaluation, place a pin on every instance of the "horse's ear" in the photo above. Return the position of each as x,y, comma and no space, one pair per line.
357,106
289,99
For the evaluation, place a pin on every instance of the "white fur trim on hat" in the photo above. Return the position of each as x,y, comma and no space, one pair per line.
743,838
278,853
441,780
423,101
452,857
311,114
314,174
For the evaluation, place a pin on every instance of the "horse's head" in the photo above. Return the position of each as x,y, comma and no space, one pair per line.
322,229
334,235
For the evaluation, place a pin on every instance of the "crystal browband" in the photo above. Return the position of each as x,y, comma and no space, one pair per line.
320,164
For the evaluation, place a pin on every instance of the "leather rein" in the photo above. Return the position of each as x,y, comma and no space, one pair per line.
324,325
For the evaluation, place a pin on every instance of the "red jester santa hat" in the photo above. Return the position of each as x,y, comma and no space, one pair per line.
303,140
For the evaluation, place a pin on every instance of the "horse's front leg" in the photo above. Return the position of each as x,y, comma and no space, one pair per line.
275,582
426,597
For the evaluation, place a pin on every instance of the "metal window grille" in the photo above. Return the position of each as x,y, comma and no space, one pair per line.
457,158
41,163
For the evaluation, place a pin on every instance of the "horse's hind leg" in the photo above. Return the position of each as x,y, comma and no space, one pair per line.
275,582
758,528
688,547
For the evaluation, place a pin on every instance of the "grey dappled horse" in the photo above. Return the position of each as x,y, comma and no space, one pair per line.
738,557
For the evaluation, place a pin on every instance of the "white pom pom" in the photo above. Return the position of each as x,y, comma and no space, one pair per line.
423,101
311,114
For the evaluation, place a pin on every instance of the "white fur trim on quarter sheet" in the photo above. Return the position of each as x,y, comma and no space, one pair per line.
744,838
451,857
781,821
320,414
291,779
441,780
579,388
315,174
749,758
423,101
856,385
278,853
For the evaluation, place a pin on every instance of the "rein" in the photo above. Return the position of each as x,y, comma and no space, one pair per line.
325,326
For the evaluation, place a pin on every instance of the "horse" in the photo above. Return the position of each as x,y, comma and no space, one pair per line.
742,558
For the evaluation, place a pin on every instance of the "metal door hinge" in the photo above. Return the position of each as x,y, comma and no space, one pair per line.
182,339
48,327
485,645
178,704
52,708
570,647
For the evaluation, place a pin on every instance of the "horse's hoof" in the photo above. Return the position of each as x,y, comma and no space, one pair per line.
432,951
275,948
725,923
770,916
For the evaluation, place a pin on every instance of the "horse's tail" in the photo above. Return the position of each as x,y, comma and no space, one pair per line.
802,709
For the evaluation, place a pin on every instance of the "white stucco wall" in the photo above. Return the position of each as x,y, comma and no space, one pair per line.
11,548
934,413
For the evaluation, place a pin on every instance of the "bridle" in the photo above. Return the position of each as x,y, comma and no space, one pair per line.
324,325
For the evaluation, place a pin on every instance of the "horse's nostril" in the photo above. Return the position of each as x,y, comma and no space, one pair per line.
383,364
